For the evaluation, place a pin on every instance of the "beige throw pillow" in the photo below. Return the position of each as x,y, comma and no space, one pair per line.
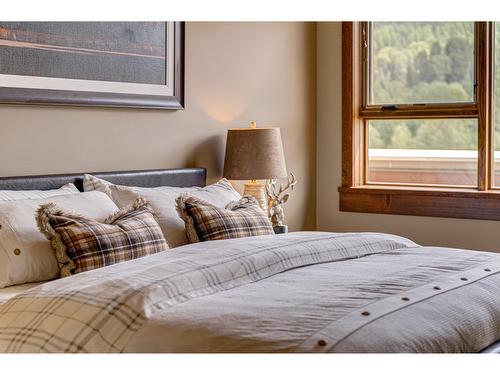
162,200
25,254
15,195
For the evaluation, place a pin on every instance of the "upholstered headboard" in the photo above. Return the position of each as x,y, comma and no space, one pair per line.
181,177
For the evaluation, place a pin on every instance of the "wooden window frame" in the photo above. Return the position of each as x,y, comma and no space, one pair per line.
481,202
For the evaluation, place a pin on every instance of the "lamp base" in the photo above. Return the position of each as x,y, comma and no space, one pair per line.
258,191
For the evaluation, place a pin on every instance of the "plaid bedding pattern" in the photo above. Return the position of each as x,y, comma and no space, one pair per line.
101,310
206,222
83,244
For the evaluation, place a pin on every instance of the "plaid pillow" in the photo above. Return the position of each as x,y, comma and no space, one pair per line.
83,244
205,222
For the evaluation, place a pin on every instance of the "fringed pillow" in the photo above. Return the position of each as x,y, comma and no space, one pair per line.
205,222
82,244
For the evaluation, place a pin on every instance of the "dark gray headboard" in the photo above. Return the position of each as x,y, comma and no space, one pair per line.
180,177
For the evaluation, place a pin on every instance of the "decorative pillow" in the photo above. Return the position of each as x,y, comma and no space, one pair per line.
162,200
15,195
205,222
83,244
25,254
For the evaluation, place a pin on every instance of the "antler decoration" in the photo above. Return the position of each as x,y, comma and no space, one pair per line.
278,198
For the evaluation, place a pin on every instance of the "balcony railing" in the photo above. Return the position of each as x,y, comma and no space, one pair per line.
429,167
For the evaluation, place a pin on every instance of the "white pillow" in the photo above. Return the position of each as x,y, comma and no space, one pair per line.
15,195
25,254
162,200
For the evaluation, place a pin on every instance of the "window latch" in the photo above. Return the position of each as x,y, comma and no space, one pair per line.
389,107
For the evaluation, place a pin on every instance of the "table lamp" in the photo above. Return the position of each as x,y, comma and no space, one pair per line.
254,154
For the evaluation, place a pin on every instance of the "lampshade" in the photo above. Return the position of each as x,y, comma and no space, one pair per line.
254,154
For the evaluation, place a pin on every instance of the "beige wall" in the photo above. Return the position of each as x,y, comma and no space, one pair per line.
235,73
473,234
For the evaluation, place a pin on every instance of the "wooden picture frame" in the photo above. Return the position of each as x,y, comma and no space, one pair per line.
173,101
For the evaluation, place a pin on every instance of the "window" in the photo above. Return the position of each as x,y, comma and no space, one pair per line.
420,130
420,62
422,152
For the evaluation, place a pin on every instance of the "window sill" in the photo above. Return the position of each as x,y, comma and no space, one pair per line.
439,202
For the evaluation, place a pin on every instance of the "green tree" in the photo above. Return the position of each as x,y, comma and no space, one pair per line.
375,140
456,50
401,137
436,49
454,135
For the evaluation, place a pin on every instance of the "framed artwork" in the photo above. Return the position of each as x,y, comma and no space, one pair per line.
110,64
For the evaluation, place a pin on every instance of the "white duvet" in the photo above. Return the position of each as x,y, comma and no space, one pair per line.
303,291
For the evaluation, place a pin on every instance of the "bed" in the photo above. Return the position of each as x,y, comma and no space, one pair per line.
297,292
